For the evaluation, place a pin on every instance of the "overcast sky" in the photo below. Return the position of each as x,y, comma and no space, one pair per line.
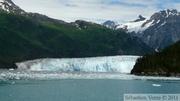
97,10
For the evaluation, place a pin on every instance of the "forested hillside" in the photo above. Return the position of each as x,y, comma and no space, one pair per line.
165,63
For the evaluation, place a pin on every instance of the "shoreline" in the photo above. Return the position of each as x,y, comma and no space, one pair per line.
57,75
155,74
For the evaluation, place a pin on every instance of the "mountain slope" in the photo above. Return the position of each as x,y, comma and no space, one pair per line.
164,30
166,63
23,38
158,31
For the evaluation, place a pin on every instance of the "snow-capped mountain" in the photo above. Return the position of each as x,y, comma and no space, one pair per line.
134,26
163,30
157,31
9,6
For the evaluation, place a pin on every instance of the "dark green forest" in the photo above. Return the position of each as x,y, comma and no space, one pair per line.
24,38
164,63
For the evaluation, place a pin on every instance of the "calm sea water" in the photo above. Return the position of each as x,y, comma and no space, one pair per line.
82,89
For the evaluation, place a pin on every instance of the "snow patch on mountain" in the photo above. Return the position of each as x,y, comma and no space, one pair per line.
132,26
167,14
158,21
4,5
137,27
162,24
8,6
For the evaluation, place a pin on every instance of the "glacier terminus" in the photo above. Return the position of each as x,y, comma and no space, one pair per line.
118,64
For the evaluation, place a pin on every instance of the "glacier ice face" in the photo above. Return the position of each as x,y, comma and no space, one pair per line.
120,64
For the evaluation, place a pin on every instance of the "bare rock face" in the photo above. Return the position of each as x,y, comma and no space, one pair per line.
164,30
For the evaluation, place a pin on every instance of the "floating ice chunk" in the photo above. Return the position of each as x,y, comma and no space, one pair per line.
156,85
53,75
11,69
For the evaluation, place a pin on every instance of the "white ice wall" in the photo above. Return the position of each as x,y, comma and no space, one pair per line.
122,64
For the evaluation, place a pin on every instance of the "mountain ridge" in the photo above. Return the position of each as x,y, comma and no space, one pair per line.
158,31
30,36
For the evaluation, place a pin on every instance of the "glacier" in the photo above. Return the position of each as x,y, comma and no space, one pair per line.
111,67
112,64
137,27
